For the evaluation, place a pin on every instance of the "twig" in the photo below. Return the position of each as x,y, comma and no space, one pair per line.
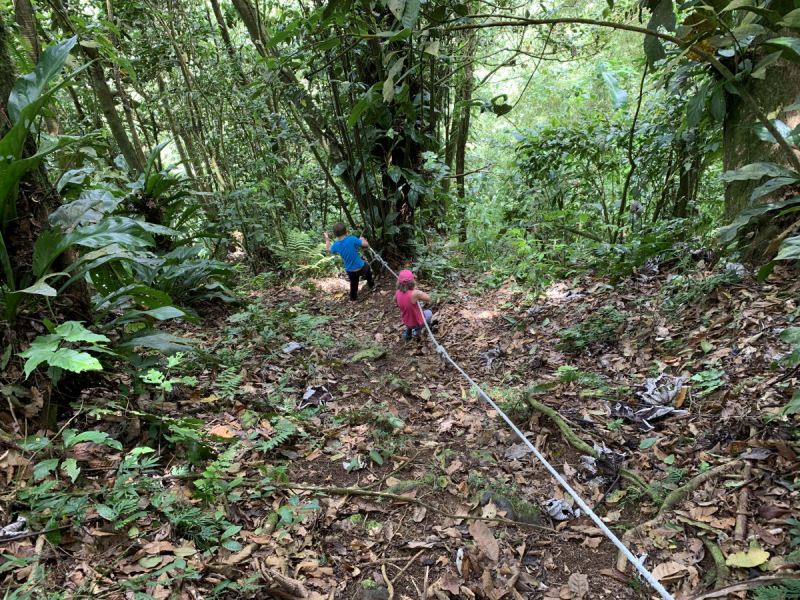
753,584
425,584
24,536
394,533
363,492
37,552
397,470
388,583
408,564
13,414
740,532
608,491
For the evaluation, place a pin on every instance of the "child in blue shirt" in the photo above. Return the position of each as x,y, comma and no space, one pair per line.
347,247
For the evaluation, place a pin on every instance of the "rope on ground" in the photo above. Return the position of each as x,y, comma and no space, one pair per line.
648,576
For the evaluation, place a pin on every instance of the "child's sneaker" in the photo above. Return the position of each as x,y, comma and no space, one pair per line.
351,300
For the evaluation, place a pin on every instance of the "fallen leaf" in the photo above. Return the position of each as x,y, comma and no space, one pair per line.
591,542
669,571
579,584
221,431
765,535
485,540
772,512
449,582
745,560
242,555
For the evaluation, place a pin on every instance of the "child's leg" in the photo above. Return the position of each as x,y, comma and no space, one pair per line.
367,272
353,276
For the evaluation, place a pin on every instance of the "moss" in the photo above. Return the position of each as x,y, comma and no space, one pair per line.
402,487
356,519
370,354
369,584
373,525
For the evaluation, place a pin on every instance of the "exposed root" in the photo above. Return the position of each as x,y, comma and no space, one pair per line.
671,501
572,438
363,492
722,570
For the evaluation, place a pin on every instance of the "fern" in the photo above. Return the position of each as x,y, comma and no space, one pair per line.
300,253
789,590
228,383
283,431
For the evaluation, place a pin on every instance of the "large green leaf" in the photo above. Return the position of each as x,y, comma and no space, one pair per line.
164,342
162,313
728,233
790,249
410,14
619,97
695,107
73,331
44,467
73,360
789,46
97,437
791,19
770,186
388,85
791,335
90,207
757,171
28,88
397,7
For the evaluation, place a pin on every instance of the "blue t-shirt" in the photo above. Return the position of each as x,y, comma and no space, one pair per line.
347,249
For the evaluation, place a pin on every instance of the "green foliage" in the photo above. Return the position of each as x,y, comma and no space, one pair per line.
299,254
709,380
227,383
599,329
788,590
284,429
51,349
685,291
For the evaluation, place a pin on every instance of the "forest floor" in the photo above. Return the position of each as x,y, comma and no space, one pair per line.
301,488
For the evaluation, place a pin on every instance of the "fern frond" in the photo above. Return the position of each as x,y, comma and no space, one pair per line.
228,382
788,590
283,431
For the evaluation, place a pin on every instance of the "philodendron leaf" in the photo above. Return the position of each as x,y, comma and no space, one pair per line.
29,87
98,437
43,468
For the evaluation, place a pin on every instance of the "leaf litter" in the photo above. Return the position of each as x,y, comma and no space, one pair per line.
234,502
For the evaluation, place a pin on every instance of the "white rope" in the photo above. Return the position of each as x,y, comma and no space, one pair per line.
578,500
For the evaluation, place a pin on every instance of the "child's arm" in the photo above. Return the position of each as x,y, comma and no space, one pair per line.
364,243
327,241
418,296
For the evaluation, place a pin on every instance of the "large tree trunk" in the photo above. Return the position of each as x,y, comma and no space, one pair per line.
104,96
779,88
304,103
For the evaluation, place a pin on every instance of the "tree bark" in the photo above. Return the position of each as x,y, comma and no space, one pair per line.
779,88
463,126
226,38
98,81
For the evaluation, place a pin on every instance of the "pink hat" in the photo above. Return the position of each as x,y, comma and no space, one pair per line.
405,276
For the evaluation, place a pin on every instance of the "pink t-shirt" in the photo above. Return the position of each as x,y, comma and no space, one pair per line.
409,311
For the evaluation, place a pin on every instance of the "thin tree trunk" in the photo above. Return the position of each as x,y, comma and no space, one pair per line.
104,95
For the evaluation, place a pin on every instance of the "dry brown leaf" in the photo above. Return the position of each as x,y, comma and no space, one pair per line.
669,571
221,431
592,542
703,513
579,584
484,539
449,582
765,535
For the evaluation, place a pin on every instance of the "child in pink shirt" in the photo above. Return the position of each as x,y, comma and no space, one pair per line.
407,297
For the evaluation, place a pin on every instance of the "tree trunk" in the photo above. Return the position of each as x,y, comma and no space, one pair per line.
463,126
779,88
97,78
226,38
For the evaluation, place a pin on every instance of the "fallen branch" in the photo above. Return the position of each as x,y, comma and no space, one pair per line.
740,532
671,501
576,442
408,564
362,492
389,585
753,584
